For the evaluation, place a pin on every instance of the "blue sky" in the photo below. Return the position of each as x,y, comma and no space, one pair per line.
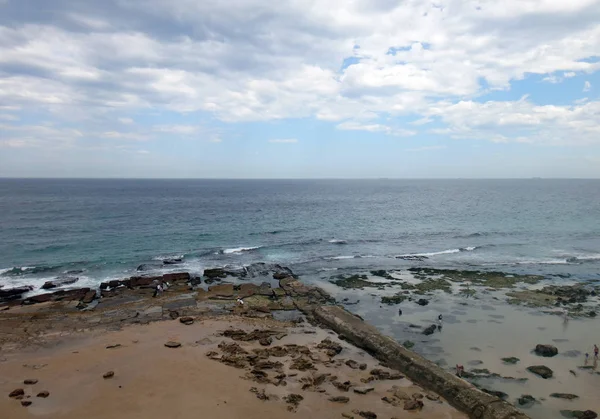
297,89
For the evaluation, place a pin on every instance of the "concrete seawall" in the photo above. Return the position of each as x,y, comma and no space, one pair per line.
456,391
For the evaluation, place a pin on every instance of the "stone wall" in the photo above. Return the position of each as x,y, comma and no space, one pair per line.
459,393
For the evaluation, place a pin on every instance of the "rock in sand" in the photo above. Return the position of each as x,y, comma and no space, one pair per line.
19,392
186,320
546,350
109,374
541,371
172,344
43,394
30,381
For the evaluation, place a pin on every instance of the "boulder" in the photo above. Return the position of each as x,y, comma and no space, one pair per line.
215,273
222,290
413,405
541,371
186,320
172,344
430,330
89,297
59,282
26,403
30,381
43,394
546,350
109,374
178,276
422,302
148,267
339,399
17,393
526,400
70,295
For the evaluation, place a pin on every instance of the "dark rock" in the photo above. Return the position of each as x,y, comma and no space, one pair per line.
546,350
174,277
579,414
367,414
293,399
30,381
363,390
215,273
13,293
331,348
526,400
109,374
280,275
339,399
380,374
352,364
501,395
26,403
511,360
408,344
541,371
117,345
145,281
41,298
422,302
265,341
172,344
430,330
174,261
43,394
413,405
565,396
148,267
186,320
59,282
301,364
17,393
345,386
115,283
89,297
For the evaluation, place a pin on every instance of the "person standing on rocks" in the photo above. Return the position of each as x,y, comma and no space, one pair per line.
157,288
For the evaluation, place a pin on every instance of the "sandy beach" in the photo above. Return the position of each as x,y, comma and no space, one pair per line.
154,381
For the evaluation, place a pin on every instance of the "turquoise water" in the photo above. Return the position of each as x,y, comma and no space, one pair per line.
106,228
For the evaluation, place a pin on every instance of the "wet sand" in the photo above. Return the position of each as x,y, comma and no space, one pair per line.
153,381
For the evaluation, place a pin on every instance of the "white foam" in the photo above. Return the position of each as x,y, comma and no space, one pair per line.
5,270
442,252
240,250
341,257
337,241
167,257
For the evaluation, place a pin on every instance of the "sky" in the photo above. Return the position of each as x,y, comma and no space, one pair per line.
300,88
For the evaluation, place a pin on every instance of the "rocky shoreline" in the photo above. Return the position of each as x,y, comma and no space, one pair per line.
269,291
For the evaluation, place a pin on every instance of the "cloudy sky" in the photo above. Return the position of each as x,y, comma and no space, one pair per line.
299,88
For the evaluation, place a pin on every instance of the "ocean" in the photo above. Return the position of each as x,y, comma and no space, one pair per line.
105,229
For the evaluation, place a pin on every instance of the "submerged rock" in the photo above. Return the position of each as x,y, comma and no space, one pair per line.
565,396
422,302
541,371
13,293
430,330
394,299
526,400
500,394
546,350
510,360
59,282
579,414
356,282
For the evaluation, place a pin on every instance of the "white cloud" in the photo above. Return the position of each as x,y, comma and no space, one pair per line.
587,86
8,117
143,152
125,121
252,60
356,126
284,141
520,121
